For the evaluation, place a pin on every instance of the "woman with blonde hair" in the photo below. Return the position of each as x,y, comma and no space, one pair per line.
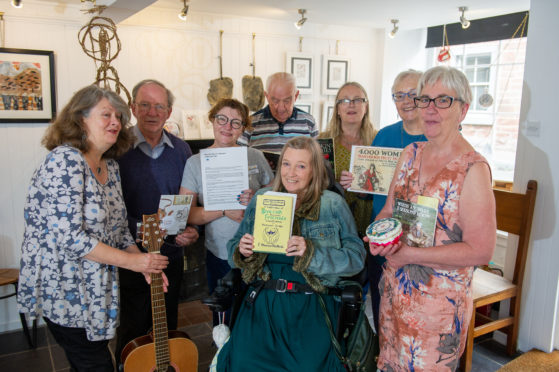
280,325
350,126
398,135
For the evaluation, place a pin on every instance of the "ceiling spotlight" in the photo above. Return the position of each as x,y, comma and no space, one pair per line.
465,23
394,28
303,19
184,11
17,3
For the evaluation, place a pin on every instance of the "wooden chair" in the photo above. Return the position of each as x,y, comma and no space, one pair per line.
11,276
514,215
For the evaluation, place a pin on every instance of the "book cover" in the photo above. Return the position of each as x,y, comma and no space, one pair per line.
327,146
373,168
173,212
418,222
273,221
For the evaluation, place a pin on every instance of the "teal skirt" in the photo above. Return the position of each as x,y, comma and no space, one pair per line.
281,331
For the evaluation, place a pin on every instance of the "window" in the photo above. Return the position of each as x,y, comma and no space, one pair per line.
477,70
495,68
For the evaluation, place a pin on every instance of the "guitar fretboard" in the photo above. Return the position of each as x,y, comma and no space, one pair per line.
152,242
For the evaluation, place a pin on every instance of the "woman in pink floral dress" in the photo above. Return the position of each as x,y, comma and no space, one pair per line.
426,301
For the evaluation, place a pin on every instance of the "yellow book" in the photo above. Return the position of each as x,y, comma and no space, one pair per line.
273,221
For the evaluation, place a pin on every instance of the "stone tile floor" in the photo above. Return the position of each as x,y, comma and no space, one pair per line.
195,320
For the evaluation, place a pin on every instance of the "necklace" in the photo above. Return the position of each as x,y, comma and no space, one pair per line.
95,167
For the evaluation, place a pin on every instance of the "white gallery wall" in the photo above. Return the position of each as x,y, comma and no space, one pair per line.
537,157
407,50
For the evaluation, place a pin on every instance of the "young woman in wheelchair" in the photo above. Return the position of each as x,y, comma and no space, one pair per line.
281,325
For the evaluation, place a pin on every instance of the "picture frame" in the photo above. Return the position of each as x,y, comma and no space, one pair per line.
327,112
306,106
31,96
335,73
191,125
301,66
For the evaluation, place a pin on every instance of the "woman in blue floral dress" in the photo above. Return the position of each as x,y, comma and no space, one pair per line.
76,231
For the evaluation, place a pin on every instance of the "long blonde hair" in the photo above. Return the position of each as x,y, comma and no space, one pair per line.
319,179
367,131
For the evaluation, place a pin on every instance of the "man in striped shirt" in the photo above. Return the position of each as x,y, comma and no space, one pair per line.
276,123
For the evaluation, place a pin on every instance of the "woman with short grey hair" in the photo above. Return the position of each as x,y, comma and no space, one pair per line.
426,302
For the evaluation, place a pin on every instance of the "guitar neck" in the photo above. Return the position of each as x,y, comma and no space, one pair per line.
152,242
159,318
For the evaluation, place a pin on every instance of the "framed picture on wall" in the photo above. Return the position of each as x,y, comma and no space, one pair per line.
327,111
305,106
190,125
335,73
301,66
28,93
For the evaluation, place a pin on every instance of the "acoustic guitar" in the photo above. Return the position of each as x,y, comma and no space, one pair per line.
161,350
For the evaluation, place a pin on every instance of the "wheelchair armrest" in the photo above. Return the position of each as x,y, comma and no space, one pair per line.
361,277
227,287
352,294
352,301
232,279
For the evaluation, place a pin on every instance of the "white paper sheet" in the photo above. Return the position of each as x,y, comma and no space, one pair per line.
224,176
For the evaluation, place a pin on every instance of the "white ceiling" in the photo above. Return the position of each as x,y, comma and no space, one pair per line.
412,14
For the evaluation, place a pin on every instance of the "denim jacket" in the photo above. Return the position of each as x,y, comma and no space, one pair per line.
333,246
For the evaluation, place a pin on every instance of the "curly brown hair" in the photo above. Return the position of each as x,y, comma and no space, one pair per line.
241,108
68,127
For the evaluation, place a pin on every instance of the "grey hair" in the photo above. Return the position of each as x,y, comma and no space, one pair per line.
450,78
170,96
284,77
404,74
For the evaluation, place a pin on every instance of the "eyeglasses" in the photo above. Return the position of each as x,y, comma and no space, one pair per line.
441,102
400,96
355,101
146,107
223,120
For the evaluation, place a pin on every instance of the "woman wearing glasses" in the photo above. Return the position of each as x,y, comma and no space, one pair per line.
426,302
350,125
230,118
397,135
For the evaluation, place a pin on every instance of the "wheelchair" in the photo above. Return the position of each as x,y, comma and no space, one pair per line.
230,293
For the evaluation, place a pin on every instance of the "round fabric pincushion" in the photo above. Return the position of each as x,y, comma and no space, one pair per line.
385,231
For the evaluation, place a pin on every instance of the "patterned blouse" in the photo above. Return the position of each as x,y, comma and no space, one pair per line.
67,213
